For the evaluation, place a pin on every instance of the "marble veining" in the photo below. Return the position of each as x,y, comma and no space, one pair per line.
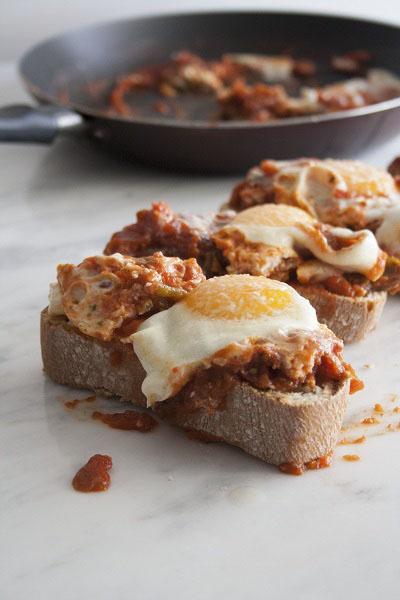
182,519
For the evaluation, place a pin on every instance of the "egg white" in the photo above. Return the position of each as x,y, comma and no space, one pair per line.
170,344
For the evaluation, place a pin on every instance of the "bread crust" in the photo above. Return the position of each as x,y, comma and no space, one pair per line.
274,426
351,319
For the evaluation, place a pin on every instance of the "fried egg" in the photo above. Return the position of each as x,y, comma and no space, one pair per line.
285,226
220,311
309,178
329,188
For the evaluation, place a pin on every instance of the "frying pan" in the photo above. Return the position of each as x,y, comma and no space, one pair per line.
71,75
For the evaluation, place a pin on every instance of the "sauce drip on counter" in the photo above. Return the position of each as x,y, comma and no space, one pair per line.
130,420
94,476
347,441
370,421
351,457
70,404
321,462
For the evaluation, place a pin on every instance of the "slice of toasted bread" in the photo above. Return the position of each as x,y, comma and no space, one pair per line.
274,426
349,318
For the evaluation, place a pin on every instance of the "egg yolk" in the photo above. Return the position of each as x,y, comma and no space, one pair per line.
238,297
364,179
272,215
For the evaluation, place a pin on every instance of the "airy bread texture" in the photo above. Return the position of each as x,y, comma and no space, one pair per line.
273,426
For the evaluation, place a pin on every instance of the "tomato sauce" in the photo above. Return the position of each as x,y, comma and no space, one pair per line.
94,476
322,462
351,457
130,420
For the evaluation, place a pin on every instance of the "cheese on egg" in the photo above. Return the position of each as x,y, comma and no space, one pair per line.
330,188
233,308
290,227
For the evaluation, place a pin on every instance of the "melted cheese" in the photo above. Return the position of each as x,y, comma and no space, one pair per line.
318,186
302,233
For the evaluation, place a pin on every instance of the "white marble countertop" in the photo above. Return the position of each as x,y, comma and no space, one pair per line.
182,519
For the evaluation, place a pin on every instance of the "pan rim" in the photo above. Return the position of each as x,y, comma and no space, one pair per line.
92,113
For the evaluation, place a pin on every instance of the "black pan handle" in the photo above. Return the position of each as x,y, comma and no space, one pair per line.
39,124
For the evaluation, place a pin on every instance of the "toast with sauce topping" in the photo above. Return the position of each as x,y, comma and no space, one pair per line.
279,242
334,268
242,359
342,193
278,428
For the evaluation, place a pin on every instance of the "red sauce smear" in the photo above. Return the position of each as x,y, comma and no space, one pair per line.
130,420
70,404
321,462
94,476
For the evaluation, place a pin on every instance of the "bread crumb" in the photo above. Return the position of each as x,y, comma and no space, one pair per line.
351,457
378,408
369,366
396,409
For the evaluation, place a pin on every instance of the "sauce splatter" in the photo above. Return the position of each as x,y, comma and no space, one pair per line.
94,476
351,457
291,469
321,462
370,421
346,441
70,404
130,420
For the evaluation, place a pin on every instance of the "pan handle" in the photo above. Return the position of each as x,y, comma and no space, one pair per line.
38,124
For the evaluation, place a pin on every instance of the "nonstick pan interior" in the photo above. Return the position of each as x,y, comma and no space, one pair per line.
78,69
